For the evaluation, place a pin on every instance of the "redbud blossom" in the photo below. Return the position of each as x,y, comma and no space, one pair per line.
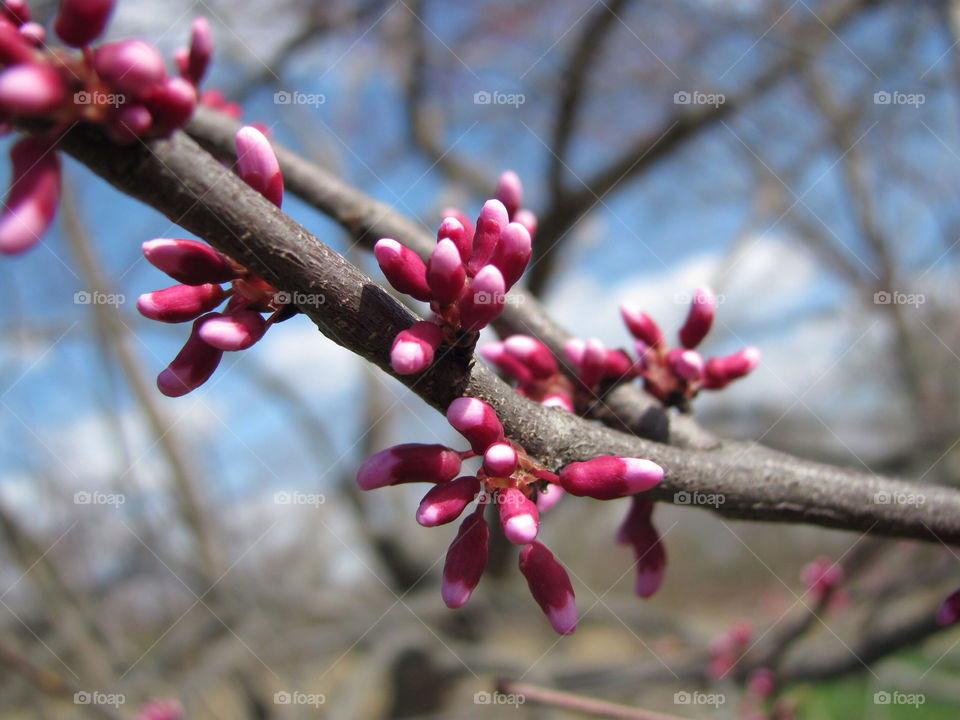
699,319
607,477
641,326
14,46
180,303
162,710
446,275
257,164
192,366
30,89
190,262
171,105
445,501
550,586
512,253
483,300
510,192
413,348
201,50
721,371
528,220
493,219
533,355
549,497
403,268
80,21
412,462
500,460
34,191
638,530
16,11
233,331
949,612
34,33
454,230
476,421
686,364
129,66
519,518
466,560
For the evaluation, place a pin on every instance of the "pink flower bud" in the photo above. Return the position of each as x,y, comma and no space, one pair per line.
446,274
510,192
192,366
180,303
14,47
607,477
234,331
80,21
527,219
519,518
129,122
533,354
468,230
949,612
412,462
190,262
16,11
641,326
550,496
618,365
638,530
496,354
466,559
686,364
550,587
413,348
257,164
698,321
445,501
171,104
162,710
34,192
129,66
761,682
821,575
565,402
454,230
476,421
500,460
30,89
721,371
403,269
34,33
512,253
493,219
574,349
593,364
484,299
201,50
181,58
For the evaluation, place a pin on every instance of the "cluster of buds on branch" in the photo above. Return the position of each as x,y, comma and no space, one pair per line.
199,271
465,280
517,486
122,86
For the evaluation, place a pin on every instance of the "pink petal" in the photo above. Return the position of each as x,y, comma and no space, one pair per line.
446,274
403,269
454,229
257,164
527,219
510,192
500,460
445,501
129,66
550,586
607,477
641,326
411,462
34,193
493,219
413,349
171,104
190,262
593,364
512,253
180,303
192,366
496,354
697,325
30,89
484,299
201,50
519,518
686,364
721,371
549,497
235,331
476,421
533,354
80,21
466,560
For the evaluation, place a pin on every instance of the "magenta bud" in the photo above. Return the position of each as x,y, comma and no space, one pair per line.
467,225
33,196
607,477
17,12
686,364
257,164
454,230
80,21
493,219
413,348
618,365
403,269
641,326
510,192
512,253
446,274
171,104
762,682
412,462
476,421
550,586
519,518
949,612
560,400
181,58
821,575
192,366
129,66
201,50
466,560
190,262
533,354
593,363
496,354
14,47
34,34
234,331
638,530
527,219
483,300
500,460
162,710
445,501
30,89
721,371
697,325
574,349
550,496
180,303
129,122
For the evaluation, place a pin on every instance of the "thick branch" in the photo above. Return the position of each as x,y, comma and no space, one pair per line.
194,190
